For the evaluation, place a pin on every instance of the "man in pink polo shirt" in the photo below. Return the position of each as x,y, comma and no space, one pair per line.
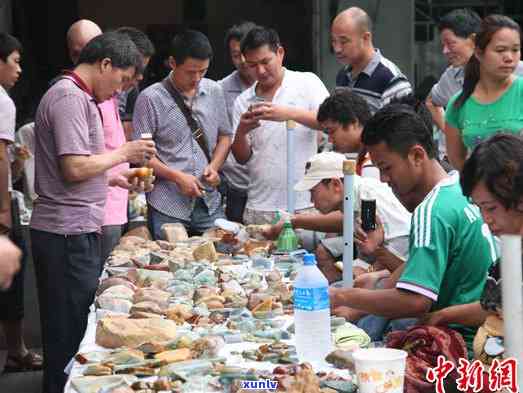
117,197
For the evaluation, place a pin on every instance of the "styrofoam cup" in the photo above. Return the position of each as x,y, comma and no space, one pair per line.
380,370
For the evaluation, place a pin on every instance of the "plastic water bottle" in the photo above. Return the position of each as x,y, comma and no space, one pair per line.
312,313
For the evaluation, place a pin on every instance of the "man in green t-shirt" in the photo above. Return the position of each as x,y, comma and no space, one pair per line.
450,248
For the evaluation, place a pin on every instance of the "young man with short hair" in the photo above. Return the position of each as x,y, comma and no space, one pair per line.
236,176
450,248
71,183
259,118
19,358
189,157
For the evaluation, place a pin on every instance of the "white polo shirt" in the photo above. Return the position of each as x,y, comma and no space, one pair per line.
267,166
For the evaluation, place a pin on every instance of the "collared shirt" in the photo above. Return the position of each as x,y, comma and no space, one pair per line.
126,100
378,83
67,122
268,163
451,82
7,124
114,135
156,112
236,174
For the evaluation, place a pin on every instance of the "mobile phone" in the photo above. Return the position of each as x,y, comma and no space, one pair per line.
368,214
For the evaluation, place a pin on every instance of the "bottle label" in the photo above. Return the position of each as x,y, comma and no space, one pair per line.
311,299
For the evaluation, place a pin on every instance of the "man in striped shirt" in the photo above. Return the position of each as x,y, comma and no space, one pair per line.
450,248
365,70
185,191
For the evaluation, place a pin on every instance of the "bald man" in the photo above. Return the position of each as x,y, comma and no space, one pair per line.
78,35
371,75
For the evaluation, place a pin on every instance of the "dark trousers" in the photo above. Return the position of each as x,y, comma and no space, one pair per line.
67,270
111,235
12,300
235,202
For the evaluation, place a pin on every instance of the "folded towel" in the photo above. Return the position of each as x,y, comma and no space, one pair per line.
348,335
424,344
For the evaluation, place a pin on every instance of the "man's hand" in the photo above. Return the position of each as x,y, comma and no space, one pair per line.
130,180
369,242
249,121
273,231
189,185
436,318
369,280
211,176
273,112
138,152
336,297
9,263
350,314
21,152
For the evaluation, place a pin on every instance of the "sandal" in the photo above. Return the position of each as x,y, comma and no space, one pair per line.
30,362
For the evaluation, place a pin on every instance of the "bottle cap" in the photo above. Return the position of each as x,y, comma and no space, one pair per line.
309,259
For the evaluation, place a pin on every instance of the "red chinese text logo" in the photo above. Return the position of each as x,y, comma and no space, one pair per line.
472,375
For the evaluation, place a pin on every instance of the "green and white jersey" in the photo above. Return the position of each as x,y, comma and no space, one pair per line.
450,250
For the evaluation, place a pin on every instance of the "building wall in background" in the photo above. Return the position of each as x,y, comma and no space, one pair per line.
162,19
6,16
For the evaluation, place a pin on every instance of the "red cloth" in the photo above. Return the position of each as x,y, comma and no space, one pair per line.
424,344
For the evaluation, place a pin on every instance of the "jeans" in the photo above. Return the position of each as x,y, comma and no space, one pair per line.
378,327
67,269
199,222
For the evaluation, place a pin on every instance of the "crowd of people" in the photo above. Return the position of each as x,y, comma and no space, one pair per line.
218,149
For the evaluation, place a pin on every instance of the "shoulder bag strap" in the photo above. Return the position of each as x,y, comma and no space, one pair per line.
196,130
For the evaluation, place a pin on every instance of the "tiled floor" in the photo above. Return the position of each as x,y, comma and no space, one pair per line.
27,382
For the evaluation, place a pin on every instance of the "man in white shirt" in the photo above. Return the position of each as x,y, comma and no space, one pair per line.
259,118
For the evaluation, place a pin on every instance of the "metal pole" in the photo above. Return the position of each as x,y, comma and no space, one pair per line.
291,126
511,280
349,169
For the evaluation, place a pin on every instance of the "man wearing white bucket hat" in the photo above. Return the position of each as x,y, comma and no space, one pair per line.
324,179
450,250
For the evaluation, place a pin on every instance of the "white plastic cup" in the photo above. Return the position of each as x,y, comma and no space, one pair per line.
380,370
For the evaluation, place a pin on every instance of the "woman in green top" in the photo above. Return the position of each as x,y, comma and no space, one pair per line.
492,97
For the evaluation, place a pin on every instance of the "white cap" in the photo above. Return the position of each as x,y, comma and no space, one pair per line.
328,165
